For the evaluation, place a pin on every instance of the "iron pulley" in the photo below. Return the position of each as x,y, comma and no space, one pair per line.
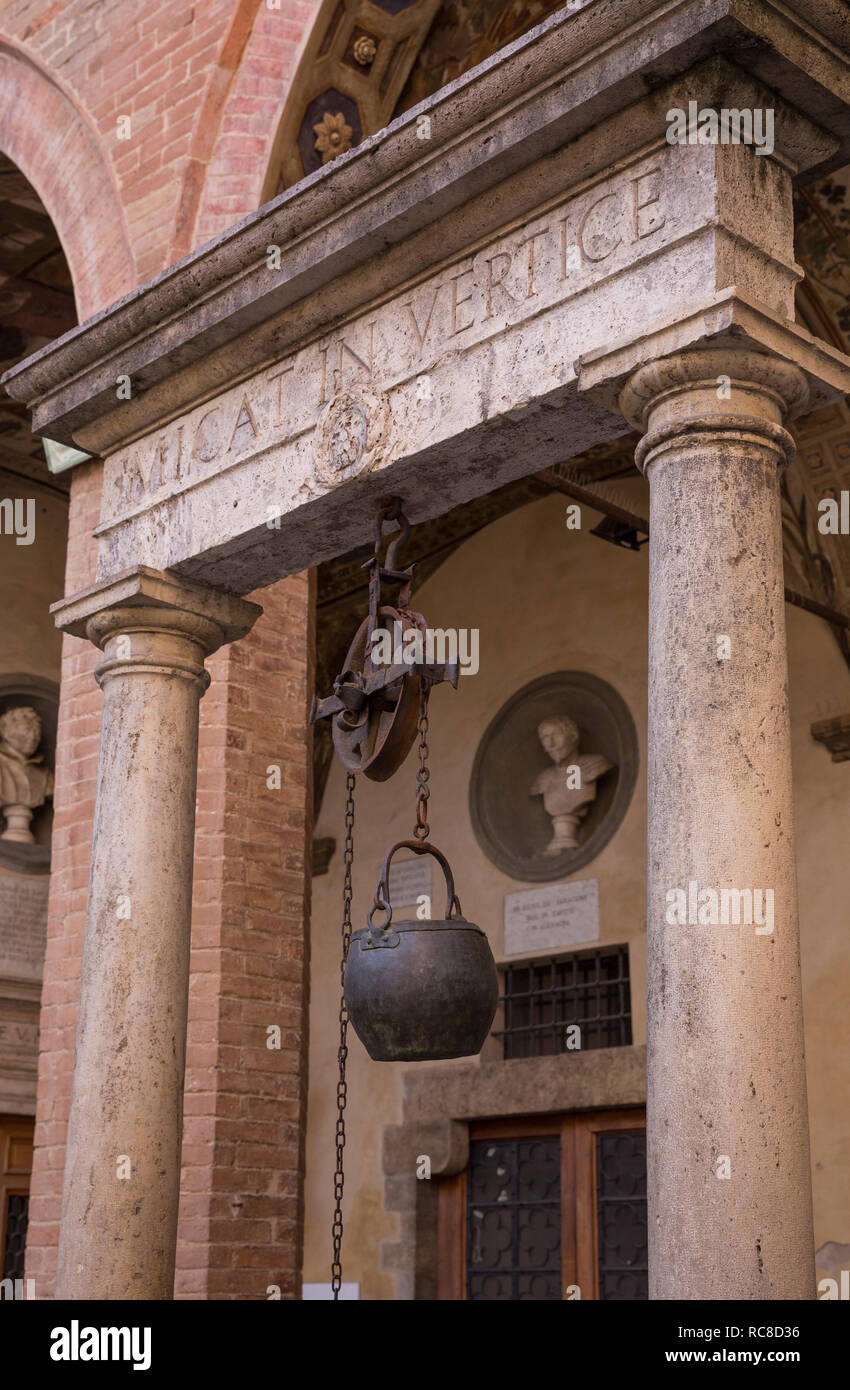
375,703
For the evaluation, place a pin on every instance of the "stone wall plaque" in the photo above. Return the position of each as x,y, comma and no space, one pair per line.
18,1038
409,879
547,919
23,925
553,776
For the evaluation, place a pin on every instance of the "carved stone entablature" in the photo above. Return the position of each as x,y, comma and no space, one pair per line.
473,276
834,734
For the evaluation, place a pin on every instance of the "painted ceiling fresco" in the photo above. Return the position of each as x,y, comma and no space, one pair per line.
464,34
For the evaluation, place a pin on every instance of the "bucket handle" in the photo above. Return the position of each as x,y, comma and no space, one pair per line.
382,892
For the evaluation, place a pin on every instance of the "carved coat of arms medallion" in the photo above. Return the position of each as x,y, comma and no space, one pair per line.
352,434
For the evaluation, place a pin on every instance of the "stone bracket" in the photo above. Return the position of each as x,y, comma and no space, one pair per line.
444,1141
150,588
726,320
834,734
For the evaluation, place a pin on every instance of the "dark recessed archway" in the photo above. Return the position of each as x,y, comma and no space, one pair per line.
36,306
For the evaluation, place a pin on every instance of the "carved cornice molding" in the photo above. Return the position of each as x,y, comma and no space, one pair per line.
637,375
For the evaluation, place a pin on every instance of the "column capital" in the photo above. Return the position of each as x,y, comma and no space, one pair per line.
698,397
144,598
729,336
741,370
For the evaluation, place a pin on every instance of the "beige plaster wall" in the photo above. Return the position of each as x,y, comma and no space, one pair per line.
31,578
820,686
547,599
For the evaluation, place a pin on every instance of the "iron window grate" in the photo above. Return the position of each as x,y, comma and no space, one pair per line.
513,1216
621,1215
17,1212
542,999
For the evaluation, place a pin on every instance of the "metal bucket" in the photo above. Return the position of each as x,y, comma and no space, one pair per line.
420,991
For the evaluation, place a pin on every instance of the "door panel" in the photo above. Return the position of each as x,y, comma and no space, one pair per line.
543,1200
16,1146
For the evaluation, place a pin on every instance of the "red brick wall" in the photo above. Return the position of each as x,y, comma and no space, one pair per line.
204,87
244,1110
73,806
250,118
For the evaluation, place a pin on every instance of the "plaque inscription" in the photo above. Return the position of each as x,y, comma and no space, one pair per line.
23,925
545,919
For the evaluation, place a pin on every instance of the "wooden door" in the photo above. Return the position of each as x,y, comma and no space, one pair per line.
585,1194
16,1145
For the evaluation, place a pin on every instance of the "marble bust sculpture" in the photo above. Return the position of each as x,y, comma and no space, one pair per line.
25,781
569,786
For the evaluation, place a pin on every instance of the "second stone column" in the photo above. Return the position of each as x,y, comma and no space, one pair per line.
729,1184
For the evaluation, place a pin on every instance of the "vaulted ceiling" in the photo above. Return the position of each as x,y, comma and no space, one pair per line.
36,305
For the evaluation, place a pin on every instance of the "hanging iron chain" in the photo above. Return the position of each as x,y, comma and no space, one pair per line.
422,829
341,1088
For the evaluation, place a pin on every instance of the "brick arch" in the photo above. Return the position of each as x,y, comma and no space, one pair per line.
199,217
47,136
263,70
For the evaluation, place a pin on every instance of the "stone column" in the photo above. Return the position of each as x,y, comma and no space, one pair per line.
730,1211
122,1165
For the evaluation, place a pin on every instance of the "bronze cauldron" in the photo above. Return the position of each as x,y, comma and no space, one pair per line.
420,991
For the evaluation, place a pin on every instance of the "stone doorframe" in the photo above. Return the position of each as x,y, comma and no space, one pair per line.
439,1104
433,317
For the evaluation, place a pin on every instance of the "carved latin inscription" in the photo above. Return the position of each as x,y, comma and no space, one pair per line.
334,394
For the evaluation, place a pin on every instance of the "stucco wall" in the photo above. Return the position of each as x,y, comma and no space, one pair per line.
31,578
820,686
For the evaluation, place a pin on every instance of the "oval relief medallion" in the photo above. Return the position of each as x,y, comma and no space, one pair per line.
553,776
352,434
